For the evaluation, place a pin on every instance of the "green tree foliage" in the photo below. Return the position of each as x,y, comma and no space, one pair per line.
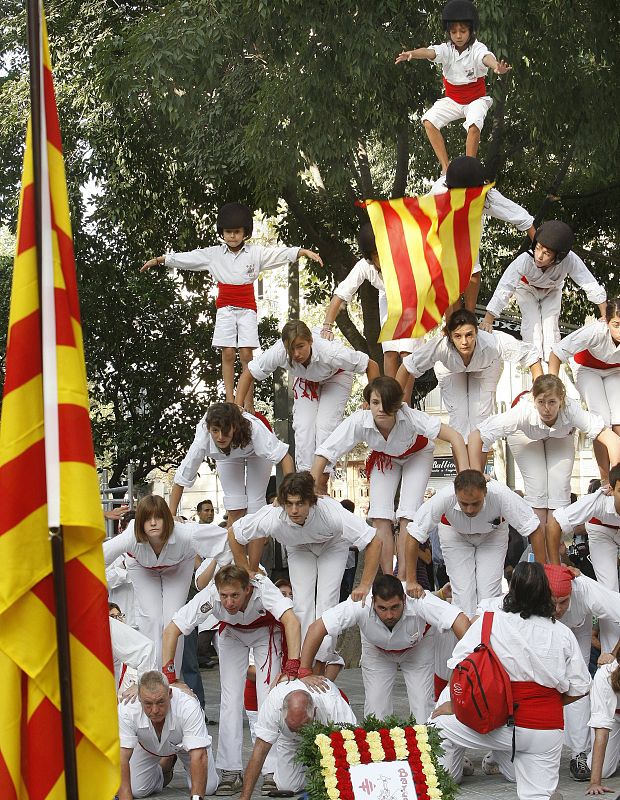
169,109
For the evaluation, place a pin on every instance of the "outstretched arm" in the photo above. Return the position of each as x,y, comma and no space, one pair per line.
419,53
372,370
311,255
332,312
554,364
153,262
459,450
198,770
372,555
253,769
168,649
312,641
477,458
412,549
243,386
601,737
292,632
500,67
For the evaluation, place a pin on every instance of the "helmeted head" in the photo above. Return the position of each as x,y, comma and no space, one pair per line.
367,243
464,172
555,237
460,20
234,215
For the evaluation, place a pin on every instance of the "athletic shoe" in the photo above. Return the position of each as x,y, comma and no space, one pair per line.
490,767
579,770
268,785
468,767
230,783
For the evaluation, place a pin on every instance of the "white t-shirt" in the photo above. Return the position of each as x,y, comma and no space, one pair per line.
596,339
264,444
597,505
604,702
407,632
265,599
237,268
327,520
461,68
132,648
330,707
184,728
500,502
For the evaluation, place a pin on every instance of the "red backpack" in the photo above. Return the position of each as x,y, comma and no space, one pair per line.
480,687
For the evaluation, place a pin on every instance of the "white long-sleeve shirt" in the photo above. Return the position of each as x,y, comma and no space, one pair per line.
132,648
597,505
363,271
500,502
327,520
227,266
407,632
534,649
186,541
489,348
464,67
596,340
264,443
360,427
326,360
604,702
524,417
524,267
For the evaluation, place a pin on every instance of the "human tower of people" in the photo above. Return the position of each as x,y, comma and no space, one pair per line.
286,635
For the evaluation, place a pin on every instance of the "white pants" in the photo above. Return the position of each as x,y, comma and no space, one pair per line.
600,391
537,754
445,110
540,314
546,467
469,397
379,673
314,418
234,650
577,714
147,777
316,572
235,327
289,774
604,543
244,482
612,752
414,472
474,563
159,594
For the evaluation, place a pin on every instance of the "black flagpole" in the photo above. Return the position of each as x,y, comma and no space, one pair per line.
56,538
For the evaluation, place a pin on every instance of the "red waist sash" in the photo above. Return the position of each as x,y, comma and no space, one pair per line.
383,461
439,684
596,521
311,390
267,621
466,92
586,359
537,707
157,567
238,295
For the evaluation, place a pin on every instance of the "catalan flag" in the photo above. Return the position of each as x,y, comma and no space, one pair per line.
48,479
427,247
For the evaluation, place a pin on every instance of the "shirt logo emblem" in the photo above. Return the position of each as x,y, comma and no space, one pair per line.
206,607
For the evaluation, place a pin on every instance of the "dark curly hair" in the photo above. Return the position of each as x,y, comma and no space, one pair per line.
226,416
529,593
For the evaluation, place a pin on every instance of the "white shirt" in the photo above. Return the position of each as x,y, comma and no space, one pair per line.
330,707
489,348
132,648
360,427
500,502
603,700
524,417
363,271
184,726
551,278
266,598
597,505
327,520
460,68
264,444
327,359
186,541
237,268
596,339
534,649
407,632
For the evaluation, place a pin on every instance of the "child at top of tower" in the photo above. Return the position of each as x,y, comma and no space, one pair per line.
465,62
235,265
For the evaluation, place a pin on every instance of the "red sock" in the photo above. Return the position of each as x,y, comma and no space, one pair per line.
250,700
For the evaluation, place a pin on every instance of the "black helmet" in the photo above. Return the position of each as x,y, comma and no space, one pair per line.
234,215
459,11
463,172
555,235
366,240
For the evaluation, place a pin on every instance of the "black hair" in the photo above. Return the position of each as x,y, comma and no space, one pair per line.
529,593
202,503
348,504
389,390
614,475
613,308
299,484
386,587
470,479
460,317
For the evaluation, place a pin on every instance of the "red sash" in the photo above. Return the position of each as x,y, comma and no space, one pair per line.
439,684
465,93
268,621
586,359
232,294
311,390
537,707
519,397
158,568
596,521
383,461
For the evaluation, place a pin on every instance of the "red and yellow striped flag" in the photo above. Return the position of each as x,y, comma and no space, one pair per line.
48,477
427,247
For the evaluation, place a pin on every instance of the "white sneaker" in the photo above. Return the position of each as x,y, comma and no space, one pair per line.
468,767
490,767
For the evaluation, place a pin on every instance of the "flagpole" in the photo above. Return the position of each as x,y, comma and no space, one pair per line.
56,535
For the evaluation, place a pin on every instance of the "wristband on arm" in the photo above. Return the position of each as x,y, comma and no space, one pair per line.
304,672
169,671
291,667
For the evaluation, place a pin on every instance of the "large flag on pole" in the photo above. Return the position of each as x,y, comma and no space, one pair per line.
427,248
48,481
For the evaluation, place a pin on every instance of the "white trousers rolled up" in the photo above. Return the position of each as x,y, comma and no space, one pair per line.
412,473
147,777
540,315
244,482
546,466
600,391
469,397
604,543
379,673
474,563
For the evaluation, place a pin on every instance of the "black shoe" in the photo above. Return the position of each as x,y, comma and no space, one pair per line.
579,770
206,663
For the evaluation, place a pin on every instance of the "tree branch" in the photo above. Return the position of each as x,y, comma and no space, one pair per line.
402,158
495,155
588,195
364,169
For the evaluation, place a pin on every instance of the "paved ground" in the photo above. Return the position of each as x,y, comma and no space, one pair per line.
350,680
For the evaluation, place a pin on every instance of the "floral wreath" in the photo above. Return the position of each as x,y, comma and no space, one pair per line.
329,751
